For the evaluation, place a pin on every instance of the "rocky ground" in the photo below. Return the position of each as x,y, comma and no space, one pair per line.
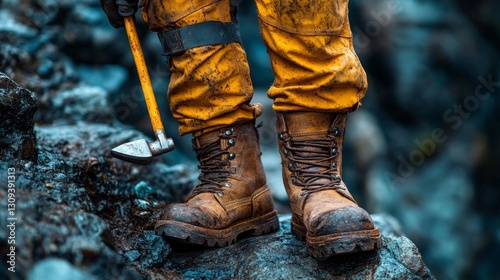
79,213
424,148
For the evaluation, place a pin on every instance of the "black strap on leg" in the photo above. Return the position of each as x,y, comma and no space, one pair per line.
196,35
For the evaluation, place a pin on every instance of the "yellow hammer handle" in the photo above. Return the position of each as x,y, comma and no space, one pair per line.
142,71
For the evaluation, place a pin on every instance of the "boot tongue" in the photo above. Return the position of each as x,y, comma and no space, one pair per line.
308,123
310,127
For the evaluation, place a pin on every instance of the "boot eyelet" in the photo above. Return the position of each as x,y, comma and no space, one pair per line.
337,132
335,151
233,170
294,181
228,184
232,156
231,142
220,194
229,132
334,164
290,166
282,136
337,177
285,152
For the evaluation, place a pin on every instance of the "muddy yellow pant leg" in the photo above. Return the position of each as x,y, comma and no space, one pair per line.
310,46
210,86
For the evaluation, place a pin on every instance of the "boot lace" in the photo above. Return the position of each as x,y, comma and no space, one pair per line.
214,164
310,161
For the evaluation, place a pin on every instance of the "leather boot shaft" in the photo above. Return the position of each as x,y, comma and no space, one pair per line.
227,157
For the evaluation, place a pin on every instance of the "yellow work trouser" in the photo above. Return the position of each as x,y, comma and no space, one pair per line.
309,43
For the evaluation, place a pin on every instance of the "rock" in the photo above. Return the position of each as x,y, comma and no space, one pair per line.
366,137
148,250
54,268
13,27
86,27
440,182
47,228
109,77
280,255
80,103
86,147
17,108
433,67
387,225
174,182
75,179
93,227
142,189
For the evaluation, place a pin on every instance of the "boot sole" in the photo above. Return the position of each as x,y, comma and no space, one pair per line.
323,247
183,233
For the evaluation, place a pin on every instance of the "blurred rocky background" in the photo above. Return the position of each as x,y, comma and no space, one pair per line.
423,149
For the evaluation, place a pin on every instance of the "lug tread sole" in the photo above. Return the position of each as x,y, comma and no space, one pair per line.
183,233
323,247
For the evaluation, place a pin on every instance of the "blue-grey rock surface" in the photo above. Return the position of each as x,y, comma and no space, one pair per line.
17,108
280,255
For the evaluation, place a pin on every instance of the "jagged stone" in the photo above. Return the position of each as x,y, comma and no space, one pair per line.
80,103
17,108
84,148
77,203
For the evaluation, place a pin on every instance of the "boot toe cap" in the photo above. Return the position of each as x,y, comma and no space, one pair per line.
189,214
343,220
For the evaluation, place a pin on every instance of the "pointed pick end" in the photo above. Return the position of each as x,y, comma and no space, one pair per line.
135,152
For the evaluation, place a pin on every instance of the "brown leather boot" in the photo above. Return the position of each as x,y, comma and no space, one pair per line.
323,210
232,196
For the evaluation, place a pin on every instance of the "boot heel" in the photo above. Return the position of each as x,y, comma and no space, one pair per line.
268,224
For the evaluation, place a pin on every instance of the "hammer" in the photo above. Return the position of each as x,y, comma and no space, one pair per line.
142,151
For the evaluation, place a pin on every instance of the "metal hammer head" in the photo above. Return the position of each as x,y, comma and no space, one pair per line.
141,151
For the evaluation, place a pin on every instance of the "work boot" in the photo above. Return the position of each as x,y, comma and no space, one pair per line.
232,196
323,211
